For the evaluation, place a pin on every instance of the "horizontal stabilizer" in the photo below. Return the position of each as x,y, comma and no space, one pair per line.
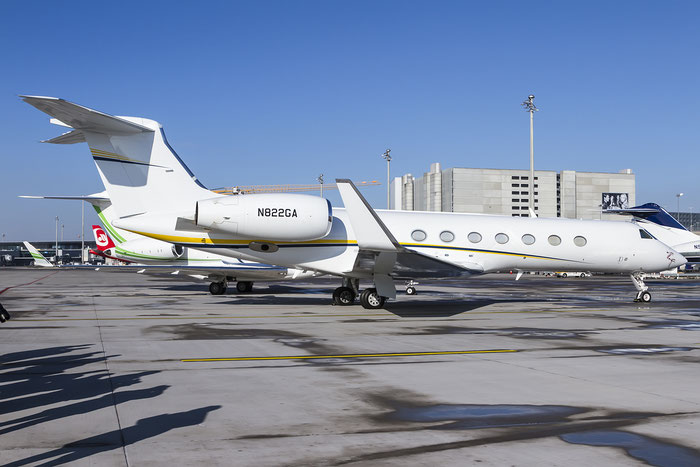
81,118
651,212
71,137
89,198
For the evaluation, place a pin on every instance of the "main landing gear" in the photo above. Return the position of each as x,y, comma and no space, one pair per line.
370,299
218,288
643,294
345,295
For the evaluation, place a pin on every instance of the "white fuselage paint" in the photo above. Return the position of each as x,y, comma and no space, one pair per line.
611,246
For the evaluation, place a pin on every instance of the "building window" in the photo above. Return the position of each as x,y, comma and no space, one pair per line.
524,185
447,236
515,208
502,238
514,192
523,200
524,192
514,185
528,239
554,240
418,235
514,177
474,237
515,200
580,241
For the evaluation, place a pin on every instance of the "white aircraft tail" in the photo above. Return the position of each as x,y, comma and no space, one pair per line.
39,259
139,169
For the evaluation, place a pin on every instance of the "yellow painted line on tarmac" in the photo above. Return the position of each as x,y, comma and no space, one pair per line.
369,355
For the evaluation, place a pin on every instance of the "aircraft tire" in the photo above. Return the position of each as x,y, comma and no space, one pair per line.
217,288
645,297
244,286
410,290
343,296
371,300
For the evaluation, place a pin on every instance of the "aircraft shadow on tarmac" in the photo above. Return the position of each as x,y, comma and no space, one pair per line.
35,379
441,308
116,439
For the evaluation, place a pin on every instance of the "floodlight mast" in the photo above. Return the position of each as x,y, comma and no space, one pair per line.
529,106
387,156
678,207
320,180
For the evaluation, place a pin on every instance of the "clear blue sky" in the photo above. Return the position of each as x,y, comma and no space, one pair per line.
278,92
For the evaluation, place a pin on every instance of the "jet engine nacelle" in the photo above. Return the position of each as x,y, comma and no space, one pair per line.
269,216
149,249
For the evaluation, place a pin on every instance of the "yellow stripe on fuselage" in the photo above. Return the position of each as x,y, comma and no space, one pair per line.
224,241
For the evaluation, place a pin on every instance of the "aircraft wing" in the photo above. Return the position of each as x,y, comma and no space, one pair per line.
381,256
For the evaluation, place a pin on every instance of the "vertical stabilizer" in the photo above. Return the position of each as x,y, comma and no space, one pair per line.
138,167
39,259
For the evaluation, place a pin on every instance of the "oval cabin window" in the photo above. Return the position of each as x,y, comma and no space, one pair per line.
528,239
418,235
502,238
580,241
447,236
554,240
474,237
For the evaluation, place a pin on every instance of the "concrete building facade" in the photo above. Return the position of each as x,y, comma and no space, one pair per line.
568,193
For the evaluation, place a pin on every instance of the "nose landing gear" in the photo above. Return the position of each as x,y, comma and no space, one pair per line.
643,294
411,287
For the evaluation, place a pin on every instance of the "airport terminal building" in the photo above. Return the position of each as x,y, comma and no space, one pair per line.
571,194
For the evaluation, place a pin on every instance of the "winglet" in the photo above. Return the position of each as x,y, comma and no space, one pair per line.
370,231
39,259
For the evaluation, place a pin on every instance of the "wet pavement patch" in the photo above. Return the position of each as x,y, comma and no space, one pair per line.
645,350
521,333
685,325
473,416
652,451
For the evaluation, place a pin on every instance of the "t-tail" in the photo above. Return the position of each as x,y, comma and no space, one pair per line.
39,259
139,169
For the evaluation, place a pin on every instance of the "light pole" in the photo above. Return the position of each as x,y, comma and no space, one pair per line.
320,180
82,231
387,156
692,217
678,207
529,106
56,240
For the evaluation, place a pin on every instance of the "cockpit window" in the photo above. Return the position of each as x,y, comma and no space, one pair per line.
644,234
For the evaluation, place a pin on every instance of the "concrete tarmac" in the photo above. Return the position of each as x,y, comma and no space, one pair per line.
123,369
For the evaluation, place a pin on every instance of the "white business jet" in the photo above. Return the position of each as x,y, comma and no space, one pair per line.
156,195
151,256
658,222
